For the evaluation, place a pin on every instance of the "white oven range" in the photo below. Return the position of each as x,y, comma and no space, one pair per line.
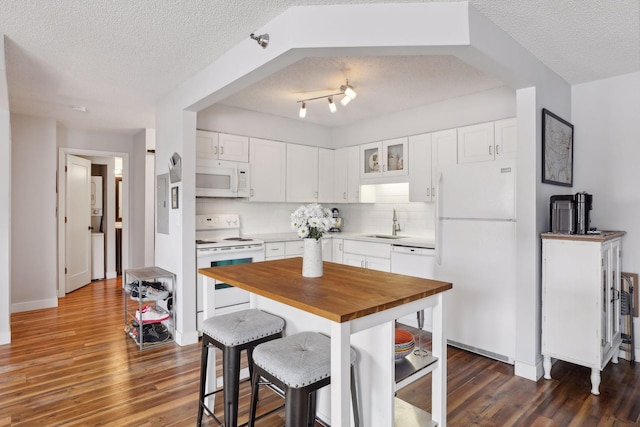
218,242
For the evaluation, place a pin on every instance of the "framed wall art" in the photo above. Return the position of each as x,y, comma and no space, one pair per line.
557,150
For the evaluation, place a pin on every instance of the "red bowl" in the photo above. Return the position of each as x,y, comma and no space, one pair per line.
403,337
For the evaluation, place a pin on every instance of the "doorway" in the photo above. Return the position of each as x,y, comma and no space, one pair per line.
107,221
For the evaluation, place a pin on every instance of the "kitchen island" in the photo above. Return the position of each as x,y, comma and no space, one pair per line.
356,307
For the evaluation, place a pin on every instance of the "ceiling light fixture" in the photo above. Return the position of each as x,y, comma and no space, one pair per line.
80,108
346,90
263,40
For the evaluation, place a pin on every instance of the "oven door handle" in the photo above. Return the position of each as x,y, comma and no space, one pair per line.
222,251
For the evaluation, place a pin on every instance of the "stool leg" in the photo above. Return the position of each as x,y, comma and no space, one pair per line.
255,379
296,409
231,382
203,378
311,412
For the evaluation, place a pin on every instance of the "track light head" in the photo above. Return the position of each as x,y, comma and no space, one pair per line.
303,110
332,105
263,40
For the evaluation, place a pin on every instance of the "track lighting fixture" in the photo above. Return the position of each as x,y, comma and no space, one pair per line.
263,40
346,90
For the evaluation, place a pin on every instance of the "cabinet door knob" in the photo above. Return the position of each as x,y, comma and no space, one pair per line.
490,150
222,150
497,150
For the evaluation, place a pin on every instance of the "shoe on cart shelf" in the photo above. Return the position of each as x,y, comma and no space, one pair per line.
148,293
153,333
151,315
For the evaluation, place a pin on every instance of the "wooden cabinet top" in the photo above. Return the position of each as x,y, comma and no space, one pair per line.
342,294
602,237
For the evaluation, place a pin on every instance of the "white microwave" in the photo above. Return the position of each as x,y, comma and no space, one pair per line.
220,178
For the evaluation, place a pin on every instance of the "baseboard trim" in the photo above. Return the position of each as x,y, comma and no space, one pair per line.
5,338
111,274
188,338
529,372
34,305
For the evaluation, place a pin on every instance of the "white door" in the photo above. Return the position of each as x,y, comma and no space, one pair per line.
78,223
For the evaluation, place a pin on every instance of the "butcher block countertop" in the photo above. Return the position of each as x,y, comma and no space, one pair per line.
603,236
342,294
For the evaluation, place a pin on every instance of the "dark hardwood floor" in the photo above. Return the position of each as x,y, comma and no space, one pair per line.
74,366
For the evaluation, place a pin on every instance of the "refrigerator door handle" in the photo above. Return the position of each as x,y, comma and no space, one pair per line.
438,224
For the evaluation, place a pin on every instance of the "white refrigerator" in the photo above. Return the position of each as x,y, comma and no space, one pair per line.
475,250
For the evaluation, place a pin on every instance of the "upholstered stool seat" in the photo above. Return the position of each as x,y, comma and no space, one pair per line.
232,333
300,365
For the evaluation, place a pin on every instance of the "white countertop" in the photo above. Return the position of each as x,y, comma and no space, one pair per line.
403,241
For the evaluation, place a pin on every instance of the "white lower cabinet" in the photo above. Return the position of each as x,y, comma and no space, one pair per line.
273,250
581,301
337,250
374,256
294,248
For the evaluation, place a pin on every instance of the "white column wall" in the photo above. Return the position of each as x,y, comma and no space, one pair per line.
606,155
5,209
33,213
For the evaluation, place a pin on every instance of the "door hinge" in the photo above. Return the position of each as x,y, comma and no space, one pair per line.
65,219
65,270
65,169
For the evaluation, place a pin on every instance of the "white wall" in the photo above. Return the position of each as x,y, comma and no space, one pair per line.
33,214
221,118
606,159
480,107
149,196
5,209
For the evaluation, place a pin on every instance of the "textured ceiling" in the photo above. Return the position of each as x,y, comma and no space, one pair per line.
119,57
384,85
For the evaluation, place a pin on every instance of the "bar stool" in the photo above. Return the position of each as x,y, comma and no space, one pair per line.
299,365
232,333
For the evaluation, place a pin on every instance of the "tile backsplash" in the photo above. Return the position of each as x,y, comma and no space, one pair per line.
415,219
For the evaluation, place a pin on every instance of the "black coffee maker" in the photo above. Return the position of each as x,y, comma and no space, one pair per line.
570,213
583,203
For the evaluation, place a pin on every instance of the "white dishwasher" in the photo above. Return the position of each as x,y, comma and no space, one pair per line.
418,262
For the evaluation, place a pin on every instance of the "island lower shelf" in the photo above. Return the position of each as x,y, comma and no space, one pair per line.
414,367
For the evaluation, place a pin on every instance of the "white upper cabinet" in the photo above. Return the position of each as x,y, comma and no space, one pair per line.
420,186
384,159
233,147
488,141
506,139
268,170
326,175
302,173
427,153
475,143
310,174
206,144
221,146
347,175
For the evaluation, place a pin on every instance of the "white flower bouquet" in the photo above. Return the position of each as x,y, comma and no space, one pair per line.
311,221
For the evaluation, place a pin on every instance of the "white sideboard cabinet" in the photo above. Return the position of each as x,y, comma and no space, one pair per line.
581,300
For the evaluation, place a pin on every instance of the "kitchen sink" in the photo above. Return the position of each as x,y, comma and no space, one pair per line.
384,236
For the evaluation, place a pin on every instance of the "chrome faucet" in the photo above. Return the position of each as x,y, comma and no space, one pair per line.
396,226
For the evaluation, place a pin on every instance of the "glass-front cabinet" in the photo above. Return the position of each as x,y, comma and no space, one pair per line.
384,158
610,313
